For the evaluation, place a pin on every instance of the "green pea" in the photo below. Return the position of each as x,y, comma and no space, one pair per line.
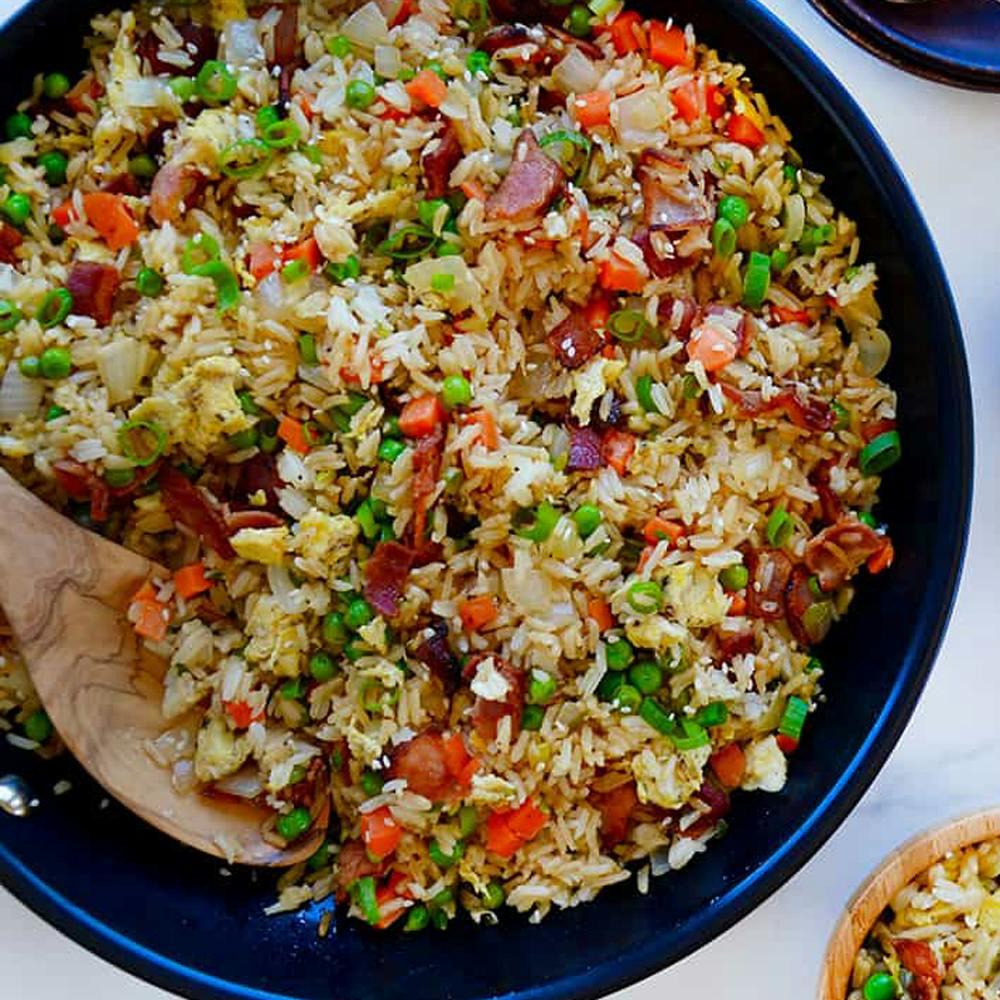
38,726
628,698
55,85
587,518
541,688
149,282
17,208
17,126
390,449
29,366
339,46
456,391
866,518
494,896
55,363
143,167
355,649
417,919
334,630
244,439
619,654
371,782
645,677
880,986
320,859
292,825
578,22
54,164
478,62
293,690
532,718
359,94
780,259
611,684
734,578
321,666
359,613
734,210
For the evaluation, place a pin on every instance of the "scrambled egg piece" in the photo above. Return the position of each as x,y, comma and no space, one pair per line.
766,766
181,691
670,779
278,639
263,545
374,635
219,751
591,382
655,632
323,543
493,791
489,683
696,595
201,408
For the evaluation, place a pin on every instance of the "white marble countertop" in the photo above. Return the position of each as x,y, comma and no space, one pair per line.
946,141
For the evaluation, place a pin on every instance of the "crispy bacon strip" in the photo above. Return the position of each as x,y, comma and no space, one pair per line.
427,455
574,341
769,573
435,653
439,159
840,550
385,576
533,182
805,411
93,287
919,958
196,510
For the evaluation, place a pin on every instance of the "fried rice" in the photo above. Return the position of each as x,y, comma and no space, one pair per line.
502,402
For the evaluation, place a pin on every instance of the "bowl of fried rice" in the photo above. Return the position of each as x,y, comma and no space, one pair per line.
553,427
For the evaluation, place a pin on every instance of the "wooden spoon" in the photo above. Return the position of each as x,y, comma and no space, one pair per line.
65,591
899,868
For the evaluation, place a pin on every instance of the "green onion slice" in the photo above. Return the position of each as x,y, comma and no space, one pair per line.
407,243
142,441
644,393
724,238
536,525
245,159
571,146
691,736
645,596
282,134
55,307
199,250
10,315
756,280
880,453
628,325
215,84
779,527
794,717
227,288
364,895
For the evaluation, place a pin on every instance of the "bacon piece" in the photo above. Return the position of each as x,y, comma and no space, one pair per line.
769,573
353,863
829,502
716,800
673,201
196,510
919,958
684,316
616,808
584,450
73,477
93,287
485,713
616,413
661,267
799,598
533,182
423,763
839,551
805,411
10,239
259,475
435,653
201,43
439,159
237,520
385,575
737,643
427,454
574,341
174,187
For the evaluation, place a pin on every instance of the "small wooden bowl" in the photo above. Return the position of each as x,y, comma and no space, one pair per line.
900,867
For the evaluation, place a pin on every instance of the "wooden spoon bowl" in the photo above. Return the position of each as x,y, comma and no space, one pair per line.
874,894
65,592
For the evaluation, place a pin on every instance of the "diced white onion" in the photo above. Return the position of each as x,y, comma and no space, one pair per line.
644,111
244,784
366,27
121,365
270,293
576,74
241,44
19,395
462,294
388,61
874,348
146,92
795,217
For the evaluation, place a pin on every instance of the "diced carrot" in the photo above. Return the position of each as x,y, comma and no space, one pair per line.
882,559
308,251
784,315
737,605
145,594
871,430
151,621
474,191
380,832
620,275
617,448
477,612
740,129
262,260
526,821
241,713
421,415
500,839
608,351
713,346
63,215
387,900
455,754
715,101
189,581
88,86
728,764
787,744
403,11
627,33
110,216
305,101
598,311
464,778
592,109
375,366
293,434
658,528
599,611
428,87
687,101
489,436
644,556
668,46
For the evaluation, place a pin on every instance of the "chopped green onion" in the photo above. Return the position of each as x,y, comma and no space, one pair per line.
627,698
365,515
341,271
418,916
734,578
618,654
880,453
282,134
440,858
780,259
656,716
587,518
267,116
215,84
645,596
359,95
610,685
532,718
242,440
541,687
779,527
149,282
295,270
10,315
55,363
646,677
455,390
247,405
713,714
865,517
536,525
691,736
117,478
816,236
307,349
427,211
54,412
17,126
790,173
602,7
813,665
364,894
54,164
644,393
227,288
842,416
55,85
756,280
468,821
183,88
312,153
407,243
245,159
814,587
55,307
436,68
339,46
443,282
478,62
734,210
690,387
565,140
198,250
142,441
628,325
723,238
794,717
293,690
390,449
